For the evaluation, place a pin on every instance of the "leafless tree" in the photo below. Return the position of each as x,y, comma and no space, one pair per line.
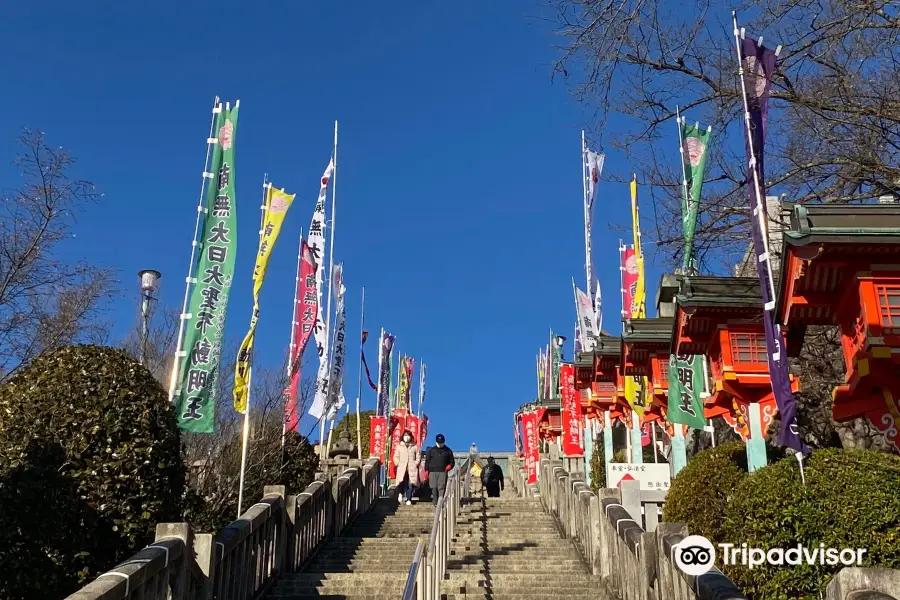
215,459
45,301
161,336
833,130
834,126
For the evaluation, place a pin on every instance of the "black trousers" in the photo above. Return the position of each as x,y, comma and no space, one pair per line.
493,489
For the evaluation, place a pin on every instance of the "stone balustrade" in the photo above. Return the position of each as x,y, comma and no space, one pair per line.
277,534
621,538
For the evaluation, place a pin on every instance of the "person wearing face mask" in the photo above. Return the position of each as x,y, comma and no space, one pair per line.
406,459
438,462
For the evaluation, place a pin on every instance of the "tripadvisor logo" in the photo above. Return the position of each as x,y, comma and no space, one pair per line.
696,555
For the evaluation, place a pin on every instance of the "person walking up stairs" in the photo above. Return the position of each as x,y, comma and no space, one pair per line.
508,548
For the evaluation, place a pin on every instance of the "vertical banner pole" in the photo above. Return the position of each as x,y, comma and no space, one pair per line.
362,327
330,277
246,433
195,243
294,321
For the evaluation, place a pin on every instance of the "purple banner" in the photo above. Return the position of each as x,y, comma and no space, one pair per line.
758,64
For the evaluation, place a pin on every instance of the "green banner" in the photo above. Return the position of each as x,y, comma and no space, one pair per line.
695,143
685,384
205,329
555,360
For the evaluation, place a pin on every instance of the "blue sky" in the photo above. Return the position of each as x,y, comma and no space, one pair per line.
458,186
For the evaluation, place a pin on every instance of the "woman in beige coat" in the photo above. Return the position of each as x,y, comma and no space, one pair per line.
407,459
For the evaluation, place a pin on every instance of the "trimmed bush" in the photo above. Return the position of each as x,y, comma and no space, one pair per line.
850,500
90,461
701,491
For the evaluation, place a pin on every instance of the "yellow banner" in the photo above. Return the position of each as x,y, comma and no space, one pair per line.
277,205
636,388
639,302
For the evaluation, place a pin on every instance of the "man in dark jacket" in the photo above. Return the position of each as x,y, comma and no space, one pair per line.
492,478
438,463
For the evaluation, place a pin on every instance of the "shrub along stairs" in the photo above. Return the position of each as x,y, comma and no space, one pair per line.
508,548
369,560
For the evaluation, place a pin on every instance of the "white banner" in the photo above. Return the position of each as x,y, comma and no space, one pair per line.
315,239
338,349
592,169
586,320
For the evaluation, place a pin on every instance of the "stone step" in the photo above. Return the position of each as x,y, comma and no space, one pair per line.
512,588
539,595
357,588
369,541
513,568
365,567
312,576
379,595
388,564
527,580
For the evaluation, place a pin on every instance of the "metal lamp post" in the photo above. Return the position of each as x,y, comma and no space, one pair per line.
149,284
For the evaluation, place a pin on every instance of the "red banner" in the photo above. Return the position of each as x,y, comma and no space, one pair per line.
377,437
398,424
306,309
532,450
423,431
415,427
573,444
645,434
629,281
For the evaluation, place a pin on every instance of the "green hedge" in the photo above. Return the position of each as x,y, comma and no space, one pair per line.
700,492
90,461
851,499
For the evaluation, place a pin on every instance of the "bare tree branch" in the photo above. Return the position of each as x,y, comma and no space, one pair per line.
46,302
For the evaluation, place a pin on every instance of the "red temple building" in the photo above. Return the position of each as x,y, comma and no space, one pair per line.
721,317
599,371
841,266
645,351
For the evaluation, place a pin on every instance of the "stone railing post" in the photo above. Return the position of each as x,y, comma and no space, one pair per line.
864,583
597,563
671,583
179,574
205,555
606,534
281,530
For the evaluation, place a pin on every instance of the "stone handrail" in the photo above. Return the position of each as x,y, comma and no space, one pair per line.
518,478
430,560
277,534
637,564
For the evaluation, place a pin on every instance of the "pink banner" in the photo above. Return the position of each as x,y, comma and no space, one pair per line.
423,431
629,281
377,437
573,445
532,449
398,424
415,427
306,311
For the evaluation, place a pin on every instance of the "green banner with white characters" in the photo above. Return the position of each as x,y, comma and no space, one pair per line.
696,143
685,384
198,380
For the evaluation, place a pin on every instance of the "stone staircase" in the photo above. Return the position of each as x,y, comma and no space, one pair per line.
508,548
370,560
